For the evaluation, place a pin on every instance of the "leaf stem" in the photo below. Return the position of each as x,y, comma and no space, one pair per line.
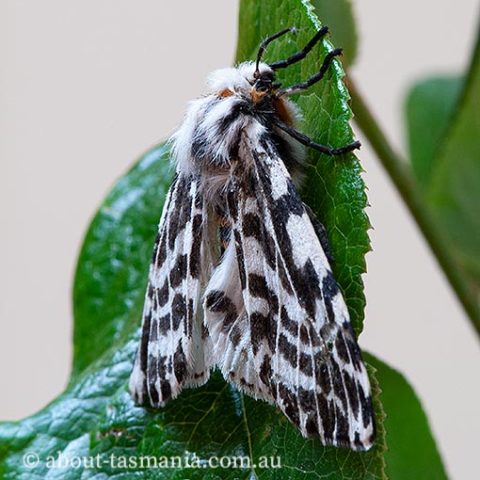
398,171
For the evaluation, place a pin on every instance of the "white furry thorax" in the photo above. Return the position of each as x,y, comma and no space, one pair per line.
237,79
213,124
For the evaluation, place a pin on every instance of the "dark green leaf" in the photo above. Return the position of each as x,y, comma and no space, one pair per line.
339,16
455,184
96,415
443,122
112,268
333,187
412,452
429,108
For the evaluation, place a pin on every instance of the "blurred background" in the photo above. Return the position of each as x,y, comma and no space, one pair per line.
85,87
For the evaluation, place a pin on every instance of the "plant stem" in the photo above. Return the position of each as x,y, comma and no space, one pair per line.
398,171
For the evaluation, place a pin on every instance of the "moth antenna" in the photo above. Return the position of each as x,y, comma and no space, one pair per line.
266,42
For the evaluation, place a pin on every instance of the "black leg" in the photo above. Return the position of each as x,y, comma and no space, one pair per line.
314,78
308,142
268,40
302,53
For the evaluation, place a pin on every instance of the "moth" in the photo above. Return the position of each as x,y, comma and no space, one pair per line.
240,277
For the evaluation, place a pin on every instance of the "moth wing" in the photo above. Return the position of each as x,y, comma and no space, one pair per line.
228,325
171,351
293,315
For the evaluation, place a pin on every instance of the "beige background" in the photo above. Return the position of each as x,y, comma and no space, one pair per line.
87,86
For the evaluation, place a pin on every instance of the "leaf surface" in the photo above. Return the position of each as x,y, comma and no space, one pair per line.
429,109
455,185
95,416
411,452
340,18
333,186
443,117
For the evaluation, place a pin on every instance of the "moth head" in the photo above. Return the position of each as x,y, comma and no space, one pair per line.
243,80
263,83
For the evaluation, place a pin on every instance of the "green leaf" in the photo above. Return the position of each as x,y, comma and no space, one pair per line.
455,183
339,16
112,268
333,186
443,121
412,452
95,416
429,108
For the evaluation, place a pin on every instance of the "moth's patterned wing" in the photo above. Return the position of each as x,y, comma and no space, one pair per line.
303,349
171,352
229,326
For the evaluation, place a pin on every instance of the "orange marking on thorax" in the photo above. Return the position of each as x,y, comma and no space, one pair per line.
282,111
225,93
256,95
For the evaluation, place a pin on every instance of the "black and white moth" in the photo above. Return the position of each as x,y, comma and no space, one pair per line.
240,277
